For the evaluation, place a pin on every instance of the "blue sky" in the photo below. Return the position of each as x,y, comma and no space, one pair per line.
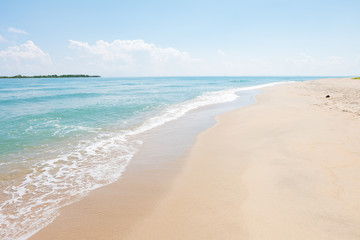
162,38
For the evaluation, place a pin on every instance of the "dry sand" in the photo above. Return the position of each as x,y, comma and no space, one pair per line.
286,167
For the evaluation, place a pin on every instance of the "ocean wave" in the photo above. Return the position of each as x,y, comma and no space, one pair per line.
208,98
32,99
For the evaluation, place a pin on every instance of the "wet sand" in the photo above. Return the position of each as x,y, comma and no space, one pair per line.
286,167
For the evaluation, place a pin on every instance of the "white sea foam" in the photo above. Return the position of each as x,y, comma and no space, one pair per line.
208,98
60,180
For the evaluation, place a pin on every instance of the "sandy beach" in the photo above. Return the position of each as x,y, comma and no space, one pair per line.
286,167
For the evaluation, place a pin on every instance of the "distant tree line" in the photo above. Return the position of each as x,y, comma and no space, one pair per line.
53,76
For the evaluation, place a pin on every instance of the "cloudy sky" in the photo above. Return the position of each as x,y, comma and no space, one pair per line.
181,38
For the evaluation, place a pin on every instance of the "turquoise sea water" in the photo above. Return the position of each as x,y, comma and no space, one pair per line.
61,138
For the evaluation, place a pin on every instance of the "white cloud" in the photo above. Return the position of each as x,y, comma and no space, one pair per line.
15,30
25,58
134,57
26,51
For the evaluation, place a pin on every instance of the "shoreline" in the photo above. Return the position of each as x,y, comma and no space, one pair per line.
216,196
147,178
87,158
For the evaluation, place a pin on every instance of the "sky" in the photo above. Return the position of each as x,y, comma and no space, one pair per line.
180,38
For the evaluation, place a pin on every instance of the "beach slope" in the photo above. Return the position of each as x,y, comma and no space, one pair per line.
286,167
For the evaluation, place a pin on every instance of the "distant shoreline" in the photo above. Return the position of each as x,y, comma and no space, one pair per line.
53,76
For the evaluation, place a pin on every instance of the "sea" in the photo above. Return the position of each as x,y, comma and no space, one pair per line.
61,138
